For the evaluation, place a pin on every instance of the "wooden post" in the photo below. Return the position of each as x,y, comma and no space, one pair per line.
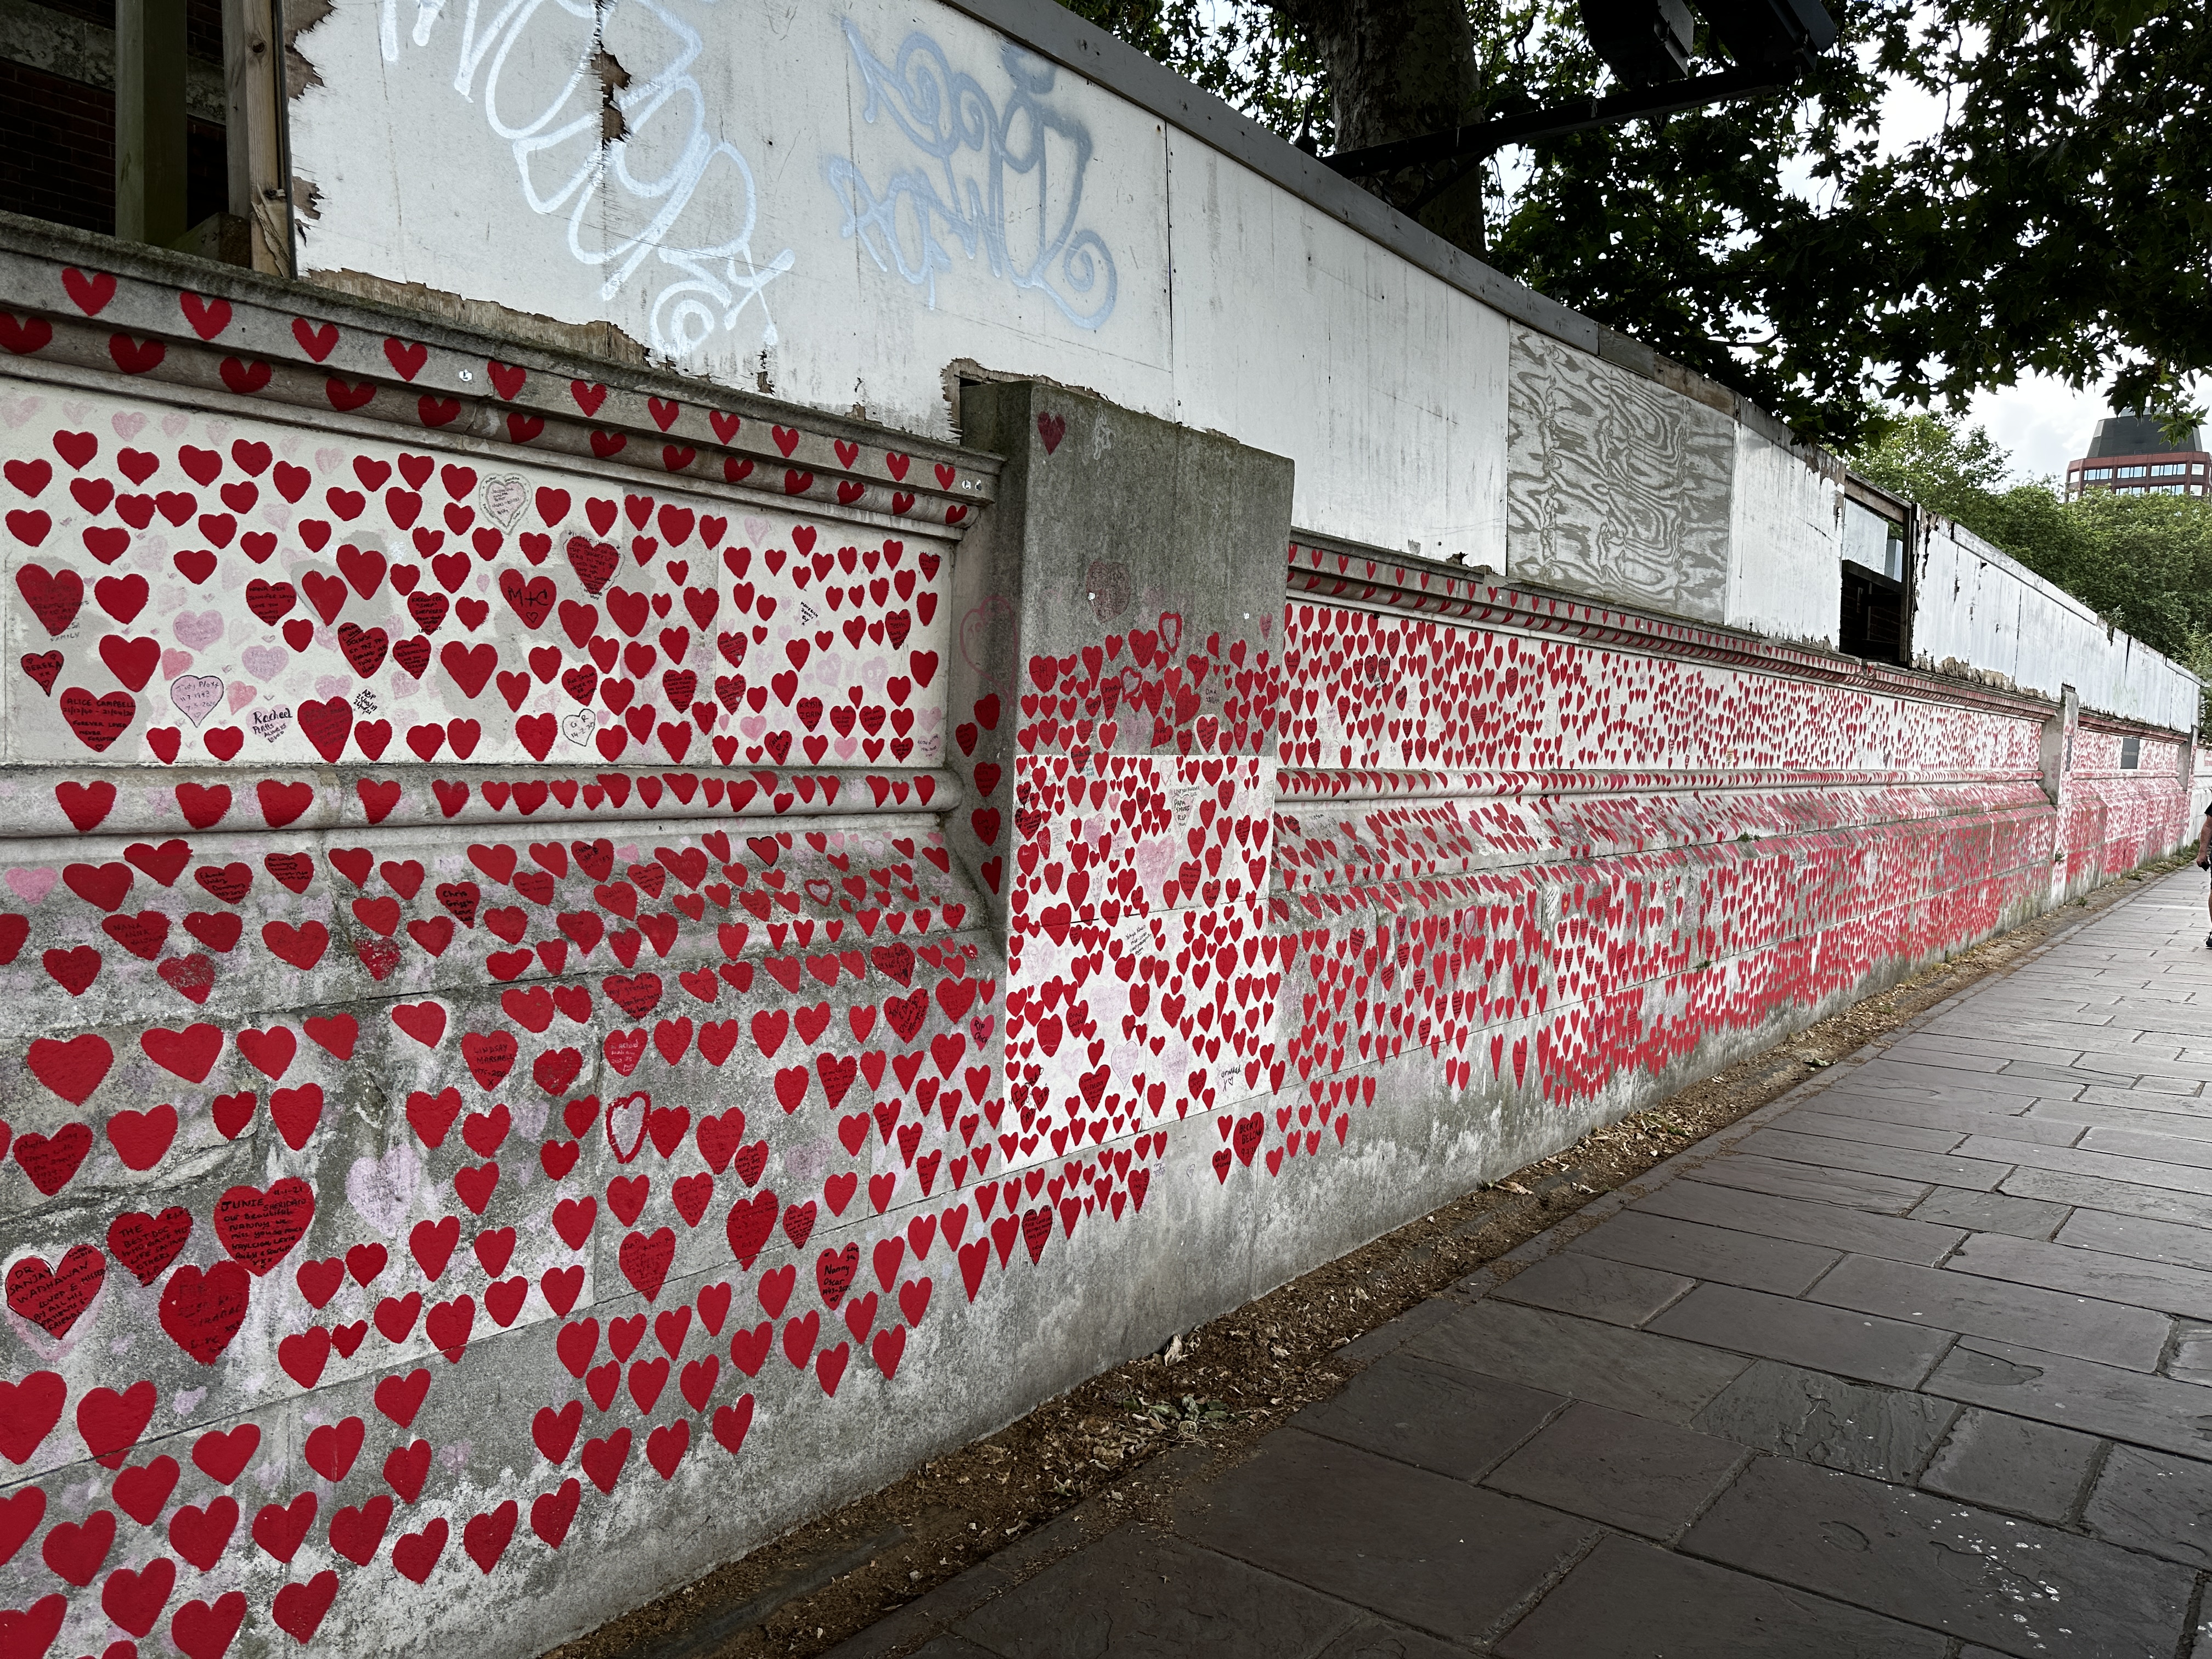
149,120
253,70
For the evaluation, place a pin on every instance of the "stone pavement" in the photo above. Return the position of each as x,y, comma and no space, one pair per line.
1905,1364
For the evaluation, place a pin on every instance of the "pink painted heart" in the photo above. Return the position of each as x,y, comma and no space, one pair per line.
196,630
264,662
32,884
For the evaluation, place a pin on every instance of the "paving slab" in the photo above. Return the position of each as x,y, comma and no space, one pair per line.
2176,1243
2159,1146
1898,1163
1138,1594
2102,1073
1394,1335
1784,1179
2156,1502
1698,1251
2102,1035
2098,1192
2000,1054
1444,1557
1618,1292
1383,1639
2016,1012
1442,1418
1630,1601
2091,1273
2013,1464
1831,1226
2011,1584
1966,1078
2181,1019
2025,987
1950,1056
1992,1213
2016,1007
1958,1121
931,1611
1815,1418
1874,1131
1953,1300
2134,1172
2190,1358
2183,1084
1628,1472
2179,998
2166,1051
2144,1100
1825,1339
2077,1393
1654,1376
1920,1092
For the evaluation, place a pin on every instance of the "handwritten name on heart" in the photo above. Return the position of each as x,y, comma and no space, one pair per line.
196,695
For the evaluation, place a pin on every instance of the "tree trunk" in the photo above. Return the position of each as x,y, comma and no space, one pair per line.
1398,68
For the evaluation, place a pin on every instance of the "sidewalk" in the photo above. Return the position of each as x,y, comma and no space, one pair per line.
1905,1364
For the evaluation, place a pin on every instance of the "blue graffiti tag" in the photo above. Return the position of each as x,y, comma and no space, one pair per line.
943,114
619,219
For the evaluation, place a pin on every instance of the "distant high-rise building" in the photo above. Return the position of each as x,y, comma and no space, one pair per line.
2131,452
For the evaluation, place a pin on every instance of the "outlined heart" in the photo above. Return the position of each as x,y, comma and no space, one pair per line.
625,1123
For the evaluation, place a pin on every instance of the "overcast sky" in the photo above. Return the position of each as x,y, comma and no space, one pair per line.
2044,422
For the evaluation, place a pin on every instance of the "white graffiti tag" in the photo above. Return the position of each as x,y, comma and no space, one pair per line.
626,154
989,181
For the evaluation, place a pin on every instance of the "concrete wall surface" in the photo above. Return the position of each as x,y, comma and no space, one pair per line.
598,961
856,207
1981,613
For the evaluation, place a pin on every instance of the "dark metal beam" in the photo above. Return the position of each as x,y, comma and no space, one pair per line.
1482,139
149,121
